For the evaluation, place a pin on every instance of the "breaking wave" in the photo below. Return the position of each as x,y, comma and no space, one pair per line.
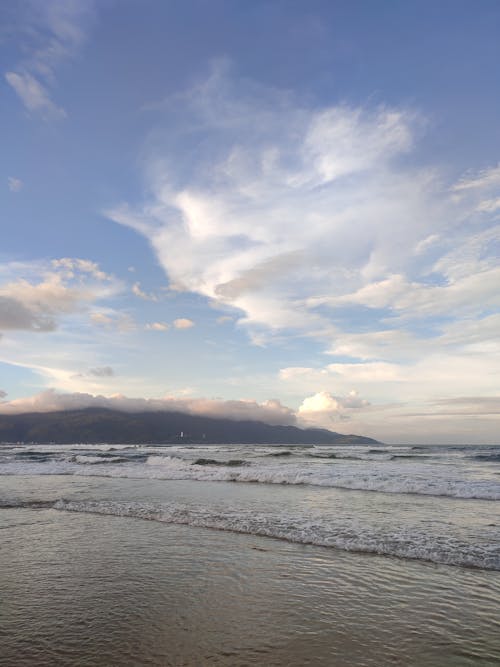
344,534
384,477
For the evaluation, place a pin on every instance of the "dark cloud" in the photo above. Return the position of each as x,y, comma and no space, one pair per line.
102,372
16,315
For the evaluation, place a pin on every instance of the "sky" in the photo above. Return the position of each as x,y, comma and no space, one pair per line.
275,210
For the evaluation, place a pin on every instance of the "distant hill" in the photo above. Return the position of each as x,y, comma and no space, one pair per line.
94,425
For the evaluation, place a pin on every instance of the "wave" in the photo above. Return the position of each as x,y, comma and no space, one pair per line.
214,462
384,477
99,460
494,458
347,535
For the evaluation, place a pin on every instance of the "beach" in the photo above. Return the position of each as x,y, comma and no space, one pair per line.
103,565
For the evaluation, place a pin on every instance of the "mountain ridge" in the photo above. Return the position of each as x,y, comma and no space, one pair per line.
99,425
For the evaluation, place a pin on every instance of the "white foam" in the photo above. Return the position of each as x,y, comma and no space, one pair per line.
348,535
450,480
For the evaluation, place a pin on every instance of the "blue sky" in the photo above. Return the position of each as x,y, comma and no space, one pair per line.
279,210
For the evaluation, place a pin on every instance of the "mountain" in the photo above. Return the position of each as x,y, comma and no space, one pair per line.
93,425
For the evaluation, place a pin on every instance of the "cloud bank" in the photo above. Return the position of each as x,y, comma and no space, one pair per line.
271,411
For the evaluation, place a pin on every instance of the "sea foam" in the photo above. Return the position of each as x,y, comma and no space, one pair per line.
348,535
406,477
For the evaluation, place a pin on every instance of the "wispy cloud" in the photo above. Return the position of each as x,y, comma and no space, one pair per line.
479,181
51,33
112,320
287,209
14,184
146,296
34,95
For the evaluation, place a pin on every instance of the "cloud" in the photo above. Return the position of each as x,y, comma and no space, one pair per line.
323,408
34,95
289,213
423,245
50,33
183,323
489,205
320,409
180,323
283,195
113,321
34,296
473,293
270,412
70,266
102,371
476,406
14,184
395,366
136,289
158,326
3,394
484,179
16,315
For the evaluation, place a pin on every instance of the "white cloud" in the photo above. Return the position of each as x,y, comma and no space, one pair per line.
183,323
158,326
14,184
396,367
323,408
423,245
146,296
3,394
70,266
34,95
50,33
280,210
489,205
473,293
484,179
287,209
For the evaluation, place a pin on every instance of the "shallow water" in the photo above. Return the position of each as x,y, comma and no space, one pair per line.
114,562
81,589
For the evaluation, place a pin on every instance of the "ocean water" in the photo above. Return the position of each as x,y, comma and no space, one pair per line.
249,555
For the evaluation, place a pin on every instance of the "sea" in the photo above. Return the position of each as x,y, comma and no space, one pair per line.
235,555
